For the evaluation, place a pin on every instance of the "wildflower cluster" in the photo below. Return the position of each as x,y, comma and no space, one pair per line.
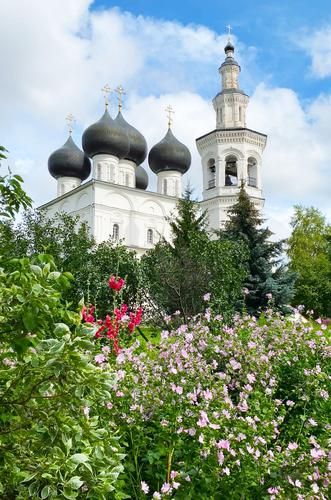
216,411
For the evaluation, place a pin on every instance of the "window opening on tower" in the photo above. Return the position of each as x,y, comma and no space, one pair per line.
231,171
211,173
252,172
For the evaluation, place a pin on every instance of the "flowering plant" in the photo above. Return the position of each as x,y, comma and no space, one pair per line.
227,412
116,327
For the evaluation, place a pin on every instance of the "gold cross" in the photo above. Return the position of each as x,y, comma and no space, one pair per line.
229,31
120,93
70,119
106,90
169,112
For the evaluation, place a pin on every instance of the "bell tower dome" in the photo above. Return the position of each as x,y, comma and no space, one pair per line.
231,153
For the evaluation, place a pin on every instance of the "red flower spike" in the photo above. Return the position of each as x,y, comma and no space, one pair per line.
116,284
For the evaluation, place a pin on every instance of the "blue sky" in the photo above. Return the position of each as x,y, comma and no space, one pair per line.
169,53
272,27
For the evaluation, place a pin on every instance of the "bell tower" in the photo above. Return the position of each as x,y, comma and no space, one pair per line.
231,153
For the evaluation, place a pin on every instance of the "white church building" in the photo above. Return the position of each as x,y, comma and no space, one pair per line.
106,186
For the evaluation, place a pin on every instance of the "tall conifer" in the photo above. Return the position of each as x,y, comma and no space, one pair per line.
266,272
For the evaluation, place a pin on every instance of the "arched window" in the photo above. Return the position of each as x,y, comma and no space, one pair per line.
252,171
240,114
127,179
211,173
116,231
231,171
150,236
165,186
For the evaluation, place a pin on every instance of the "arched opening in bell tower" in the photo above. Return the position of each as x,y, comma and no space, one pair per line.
252,172
211,166
231,171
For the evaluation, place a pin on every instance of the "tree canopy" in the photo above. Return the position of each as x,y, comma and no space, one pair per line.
180,273
309,250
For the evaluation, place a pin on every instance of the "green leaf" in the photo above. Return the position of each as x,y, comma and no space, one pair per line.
75,483
33,488
61,329
69,493
79,458
45,492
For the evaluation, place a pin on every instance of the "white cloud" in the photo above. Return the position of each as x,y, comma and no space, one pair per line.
297,155
318,47
55,56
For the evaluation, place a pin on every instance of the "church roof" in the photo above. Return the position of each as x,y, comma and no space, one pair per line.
106,136
169,154
69,161
137,142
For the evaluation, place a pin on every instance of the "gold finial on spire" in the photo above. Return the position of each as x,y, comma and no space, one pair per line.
169,110
120,93
106,90
229,28
70,119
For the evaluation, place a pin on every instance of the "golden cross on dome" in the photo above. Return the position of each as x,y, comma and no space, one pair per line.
169,110
70,119
106,90
120,93
229,28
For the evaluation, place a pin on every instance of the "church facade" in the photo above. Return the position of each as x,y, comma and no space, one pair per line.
106,186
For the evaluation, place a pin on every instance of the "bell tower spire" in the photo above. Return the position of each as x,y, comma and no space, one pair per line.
231,102
232,153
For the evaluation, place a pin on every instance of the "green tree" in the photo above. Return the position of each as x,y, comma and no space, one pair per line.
181,272
309,250
74,250
266,272
12,195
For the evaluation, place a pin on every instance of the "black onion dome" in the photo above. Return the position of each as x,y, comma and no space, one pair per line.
69,161
141,178
138,144
228,47
229,60
106,137
169,154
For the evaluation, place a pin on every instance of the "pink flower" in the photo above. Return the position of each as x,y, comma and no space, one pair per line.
292,446
206,297
175,485
273,490
317,453
99,358
166,488
223,444
315,488
312,422
226,471
220,457
235,364
109,405
144,487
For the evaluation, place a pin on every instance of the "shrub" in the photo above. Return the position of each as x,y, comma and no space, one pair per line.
55,440
220,412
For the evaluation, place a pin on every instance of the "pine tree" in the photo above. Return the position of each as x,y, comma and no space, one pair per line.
188,223
266,273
